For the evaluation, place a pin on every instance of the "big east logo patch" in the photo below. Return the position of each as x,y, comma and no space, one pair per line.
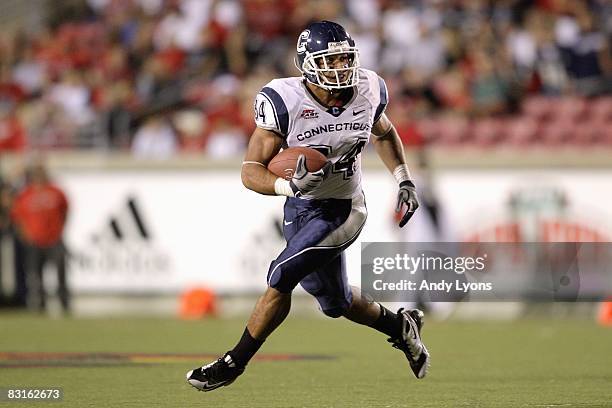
309,114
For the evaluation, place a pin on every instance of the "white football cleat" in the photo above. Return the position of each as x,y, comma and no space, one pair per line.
410,341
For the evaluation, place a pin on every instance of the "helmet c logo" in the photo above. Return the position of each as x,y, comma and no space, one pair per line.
302,40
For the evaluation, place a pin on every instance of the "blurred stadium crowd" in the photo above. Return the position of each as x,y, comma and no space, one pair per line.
158,77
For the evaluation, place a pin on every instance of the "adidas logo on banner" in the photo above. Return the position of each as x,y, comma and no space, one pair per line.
123,250
128,224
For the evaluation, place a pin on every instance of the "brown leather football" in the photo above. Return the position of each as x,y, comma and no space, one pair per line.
283,164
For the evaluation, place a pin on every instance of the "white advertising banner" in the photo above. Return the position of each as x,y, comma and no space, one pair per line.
143,231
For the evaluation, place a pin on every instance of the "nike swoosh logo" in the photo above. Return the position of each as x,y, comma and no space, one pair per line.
357,112
207,387
204,386
287,223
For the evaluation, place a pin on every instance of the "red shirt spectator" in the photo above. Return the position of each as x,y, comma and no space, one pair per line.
268,19
12,134
11,91
39,212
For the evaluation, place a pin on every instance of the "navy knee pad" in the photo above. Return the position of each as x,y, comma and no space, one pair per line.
282,279
335,313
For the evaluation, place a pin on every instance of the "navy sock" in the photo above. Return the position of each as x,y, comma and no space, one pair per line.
246,348
388,323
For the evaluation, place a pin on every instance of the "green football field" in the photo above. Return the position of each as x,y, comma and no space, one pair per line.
308,363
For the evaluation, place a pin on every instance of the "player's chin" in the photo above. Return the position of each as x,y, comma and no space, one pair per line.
346,78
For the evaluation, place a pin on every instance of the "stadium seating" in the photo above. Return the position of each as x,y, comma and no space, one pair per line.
542,121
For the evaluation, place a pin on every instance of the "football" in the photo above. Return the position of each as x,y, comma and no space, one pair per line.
283,164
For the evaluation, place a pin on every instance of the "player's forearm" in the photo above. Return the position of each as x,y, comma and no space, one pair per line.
390,149
258,178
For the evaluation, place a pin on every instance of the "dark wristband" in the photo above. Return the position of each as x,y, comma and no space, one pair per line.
407,183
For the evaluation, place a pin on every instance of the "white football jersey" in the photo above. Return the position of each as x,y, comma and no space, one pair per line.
286,107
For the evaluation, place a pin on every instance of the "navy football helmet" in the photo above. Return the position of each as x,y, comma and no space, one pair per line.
317,46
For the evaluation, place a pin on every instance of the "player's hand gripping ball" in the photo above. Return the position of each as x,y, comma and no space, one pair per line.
305,168
407,196
285,163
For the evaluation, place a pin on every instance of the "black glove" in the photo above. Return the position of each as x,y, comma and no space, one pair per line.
304,181
407,195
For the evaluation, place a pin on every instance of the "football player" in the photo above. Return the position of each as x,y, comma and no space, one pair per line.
335,107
